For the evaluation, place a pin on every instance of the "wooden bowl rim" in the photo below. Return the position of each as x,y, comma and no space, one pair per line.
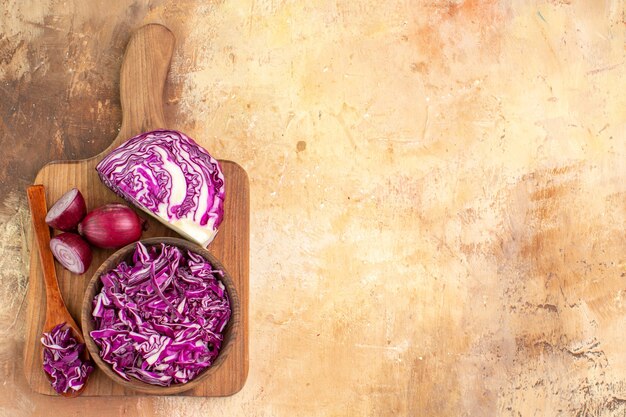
230,332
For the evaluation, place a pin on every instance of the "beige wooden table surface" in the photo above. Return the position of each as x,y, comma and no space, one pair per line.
438,193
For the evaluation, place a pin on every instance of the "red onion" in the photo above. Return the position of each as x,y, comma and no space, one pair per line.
67,211
111,226
72,252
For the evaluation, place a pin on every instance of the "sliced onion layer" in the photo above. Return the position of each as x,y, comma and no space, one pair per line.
67,212
72,252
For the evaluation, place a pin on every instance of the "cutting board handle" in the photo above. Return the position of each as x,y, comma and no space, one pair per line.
142,80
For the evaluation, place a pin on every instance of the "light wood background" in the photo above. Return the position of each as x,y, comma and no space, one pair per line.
438,194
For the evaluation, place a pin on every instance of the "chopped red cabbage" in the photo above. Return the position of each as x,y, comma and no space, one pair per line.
161,317
62,360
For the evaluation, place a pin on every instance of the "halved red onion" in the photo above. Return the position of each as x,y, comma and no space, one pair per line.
68,211
72,252
111,226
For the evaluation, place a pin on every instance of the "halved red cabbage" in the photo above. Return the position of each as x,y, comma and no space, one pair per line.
62,360
161,318
171,177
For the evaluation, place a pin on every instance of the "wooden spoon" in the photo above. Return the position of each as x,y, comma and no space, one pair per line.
56,311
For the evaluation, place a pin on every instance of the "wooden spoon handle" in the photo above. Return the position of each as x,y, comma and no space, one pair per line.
38,210
142,79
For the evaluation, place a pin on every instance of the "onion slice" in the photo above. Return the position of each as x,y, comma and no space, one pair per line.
72,252
111,226
68,211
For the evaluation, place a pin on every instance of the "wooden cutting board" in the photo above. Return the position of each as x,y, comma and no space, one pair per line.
143,74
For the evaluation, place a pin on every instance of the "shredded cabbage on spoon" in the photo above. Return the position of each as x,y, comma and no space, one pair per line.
62,360
160,318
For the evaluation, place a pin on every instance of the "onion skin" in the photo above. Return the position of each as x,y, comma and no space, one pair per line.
68,247
111,226
65,215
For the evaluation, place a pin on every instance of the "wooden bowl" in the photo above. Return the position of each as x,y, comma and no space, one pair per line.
125,254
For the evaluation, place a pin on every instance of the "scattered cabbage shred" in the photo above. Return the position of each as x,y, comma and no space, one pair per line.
160,318
62,360
169,176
